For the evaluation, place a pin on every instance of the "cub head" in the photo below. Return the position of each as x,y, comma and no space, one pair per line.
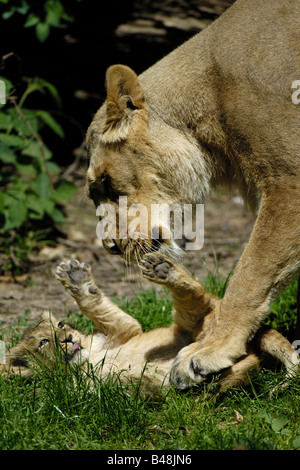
44,344
139,167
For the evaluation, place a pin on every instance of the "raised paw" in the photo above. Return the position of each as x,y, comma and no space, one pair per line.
156,267
76,277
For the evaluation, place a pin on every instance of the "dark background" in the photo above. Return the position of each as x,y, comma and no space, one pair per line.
75,56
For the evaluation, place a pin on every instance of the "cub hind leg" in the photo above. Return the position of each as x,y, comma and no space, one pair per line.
272,342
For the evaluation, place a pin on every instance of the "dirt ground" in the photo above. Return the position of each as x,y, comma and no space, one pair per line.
227,226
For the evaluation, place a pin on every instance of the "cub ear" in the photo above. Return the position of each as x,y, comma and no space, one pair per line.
125,100
16,362
47,315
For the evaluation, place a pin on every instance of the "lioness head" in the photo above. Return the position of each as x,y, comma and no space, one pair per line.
44,343
138,161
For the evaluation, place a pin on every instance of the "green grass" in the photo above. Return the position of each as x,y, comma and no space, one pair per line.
60,410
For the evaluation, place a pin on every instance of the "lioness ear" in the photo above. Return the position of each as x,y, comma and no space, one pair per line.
123,88
124,99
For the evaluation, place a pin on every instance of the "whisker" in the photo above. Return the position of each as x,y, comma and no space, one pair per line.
147,246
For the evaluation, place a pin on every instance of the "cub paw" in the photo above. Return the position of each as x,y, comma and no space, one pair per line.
156,267
76,277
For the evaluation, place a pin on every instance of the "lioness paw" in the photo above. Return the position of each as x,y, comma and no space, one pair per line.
183,373
194,363
156,267
76,277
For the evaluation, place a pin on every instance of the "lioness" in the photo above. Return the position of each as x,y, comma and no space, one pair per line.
217,110
121,346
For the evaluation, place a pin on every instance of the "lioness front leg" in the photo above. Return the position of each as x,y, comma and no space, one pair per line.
78,281
270,261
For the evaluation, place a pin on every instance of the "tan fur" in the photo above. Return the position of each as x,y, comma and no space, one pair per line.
217,110
120,346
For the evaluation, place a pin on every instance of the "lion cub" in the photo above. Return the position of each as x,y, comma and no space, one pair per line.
121,346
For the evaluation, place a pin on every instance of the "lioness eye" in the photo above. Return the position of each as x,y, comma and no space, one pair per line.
60,325
44,341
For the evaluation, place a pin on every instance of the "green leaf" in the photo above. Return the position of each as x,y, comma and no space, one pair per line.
5,121
2,197
53,168
40,205
48,205
8,14
13,140
67,17
296,443
8,84
57,216
23,9
26,124
50,122
26,169
279,423
39,84
15,192
5,87
63,191
54,11
34,203
52,90
42,31
41,186
15,216
265,416
34,149
7,155
32,20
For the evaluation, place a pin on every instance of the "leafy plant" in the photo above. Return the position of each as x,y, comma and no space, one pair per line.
41,15
28,191
32,192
